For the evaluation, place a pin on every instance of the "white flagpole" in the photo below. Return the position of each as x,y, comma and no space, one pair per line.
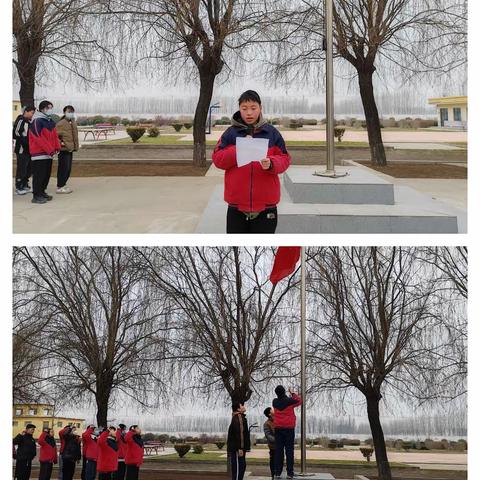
302,365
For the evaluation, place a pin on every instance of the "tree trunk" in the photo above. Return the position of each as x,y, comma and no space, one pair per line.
207,81
377,150
102,397
381,458
27,85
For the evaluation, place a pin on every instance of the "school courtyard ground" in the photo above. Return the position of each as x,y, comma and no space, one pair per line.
152,187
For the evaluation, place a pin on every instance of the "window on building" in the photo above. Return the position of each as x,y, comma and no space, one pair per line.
47,412
59,424
15,108
32,411
78,425
18,412
457,114
46,424
15,423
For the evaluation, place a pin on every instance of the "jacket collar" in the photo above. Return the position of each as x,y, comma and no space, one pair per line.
240,124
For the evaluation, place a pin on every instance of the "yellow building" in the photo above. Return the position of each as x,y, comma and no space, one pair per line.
452,111
16,109
42,415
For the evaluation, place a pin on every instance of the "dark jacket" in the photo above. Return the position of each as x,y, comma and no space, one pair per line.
284,407
20,135
269,431
42,137
26,447
238,434
250,188
72,450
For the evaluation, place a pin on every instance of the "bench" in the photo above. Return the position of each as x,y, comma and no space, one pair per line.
153,447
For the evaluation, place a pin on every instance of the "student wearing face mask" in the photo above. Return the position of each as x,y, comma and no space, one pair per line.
67,130
24,163
44,144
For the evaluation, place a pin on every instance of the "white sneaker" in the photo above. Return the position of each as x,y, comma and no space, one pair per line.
21,191
64,189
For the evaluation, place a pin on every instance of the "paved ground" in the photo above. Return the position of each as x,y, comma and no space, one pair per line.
422,146
118,205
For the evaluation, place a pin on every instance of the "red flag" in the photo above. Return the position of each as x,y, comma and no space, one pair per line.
286,260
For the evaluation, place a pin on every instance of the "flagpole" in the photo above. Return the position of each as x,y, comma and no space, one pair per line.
302,364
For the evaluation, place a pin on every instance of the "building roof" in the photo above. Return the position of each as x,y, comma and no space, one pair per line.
460,100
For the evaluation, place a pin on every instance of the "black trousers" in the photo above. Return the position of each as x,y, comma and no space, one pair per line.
84,467
132,472
238,465
121,471
106,476
284,443
41,171
24,170
272,462
64,168
68,469
237,221
23,469
45,471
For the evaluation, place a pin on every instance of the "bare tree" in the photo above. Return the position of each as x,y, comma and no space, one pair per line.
376,328
408,38
231,319
100,323
193,39
58,35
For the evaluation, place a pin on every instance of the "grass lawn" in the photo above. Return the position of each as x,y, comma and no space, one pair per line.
420,170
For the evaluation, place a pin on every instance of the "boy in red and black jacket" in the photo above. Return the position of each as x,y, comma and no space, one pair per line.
43,143
48,453
107,454
284,422
90,452
133,452
252,191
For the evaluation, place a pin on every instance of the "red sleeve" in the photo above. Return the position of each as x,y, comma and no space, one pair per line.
102,439
224,157
128,437
41,439
297,398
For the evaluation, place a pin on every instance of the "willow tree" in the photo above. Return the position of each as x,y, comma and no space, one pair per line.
194,41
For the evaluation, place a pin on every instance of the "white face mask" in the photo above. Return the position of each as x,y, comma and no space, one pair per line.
49,112
70,115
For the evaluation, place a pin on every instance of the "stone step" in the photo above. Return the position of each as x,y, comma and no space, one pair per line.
359,187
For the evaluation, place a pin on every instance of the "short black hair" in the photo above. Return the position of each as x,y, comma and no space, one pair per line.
236,406
267,411
30,425
133,427
250,96
28,108
280,391
68,107
45,104
122,426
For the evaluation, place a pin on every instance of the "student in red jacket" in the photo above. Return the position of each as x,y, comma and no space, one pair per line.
90,452
134,452
284,422
122,446
252,191
48,453
43,144
107,462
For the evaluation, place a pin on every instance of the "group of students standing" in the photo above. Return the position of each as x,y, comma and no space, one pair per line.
112,453
37,140
279,430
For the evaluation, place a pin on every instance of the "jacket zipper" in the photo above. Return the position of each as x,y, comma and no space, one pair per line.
251,187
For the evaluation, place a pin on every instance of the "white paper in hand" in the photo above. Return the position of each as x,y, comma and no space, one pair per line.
251,150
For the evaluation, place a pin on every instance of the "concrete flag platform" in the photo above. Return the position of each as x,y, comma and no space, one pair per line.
362,202
309,476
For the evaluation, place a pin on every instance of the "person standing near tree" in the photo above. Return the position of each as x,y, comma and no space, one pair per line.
107,463
90,452
22,151
238,441
26,452
284,422
67,130
43,144
122,445
133,452
252,191
72,453
48,453
269,431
